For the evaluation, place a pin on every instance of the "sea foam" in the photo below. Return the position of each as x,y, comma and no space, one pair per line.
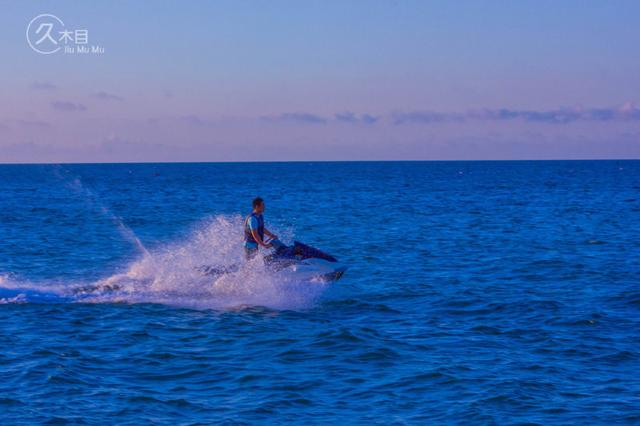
172,274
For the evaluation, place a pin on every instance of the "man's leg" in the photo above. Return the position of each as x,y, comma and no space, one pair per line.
250,253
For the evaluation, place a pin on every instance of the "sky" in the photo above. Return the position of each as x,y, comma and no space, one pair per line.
319,80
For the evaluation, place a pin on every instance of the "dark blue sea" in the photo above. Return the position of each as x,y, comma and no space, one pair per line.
477,293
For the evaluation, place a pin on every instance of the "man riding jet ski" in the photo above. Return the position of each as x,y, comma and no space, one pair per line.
301,258
308,263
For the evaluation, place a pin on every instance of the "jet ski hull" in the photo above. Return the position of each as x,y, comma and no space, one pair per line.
306,262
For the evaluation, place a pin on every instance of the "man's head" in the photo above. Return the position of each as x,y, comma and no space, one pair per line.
258,205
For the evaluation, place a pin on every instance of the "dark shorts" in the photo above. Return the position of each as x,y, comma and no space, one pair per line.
250,253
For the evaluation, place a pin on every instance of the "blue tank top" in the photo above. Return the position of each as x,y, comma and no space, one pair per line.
248,237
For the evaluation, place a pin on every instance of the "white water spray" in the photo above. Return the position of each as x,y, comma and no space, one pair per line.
75,184
172,274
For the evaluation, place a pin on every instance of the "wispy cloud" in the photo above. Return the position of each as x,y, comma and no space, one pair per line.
43,85
34,124
353,118
192,120
626,112
426,117
66,106
24,124
104,96
297,117
310,118
196,120
560,116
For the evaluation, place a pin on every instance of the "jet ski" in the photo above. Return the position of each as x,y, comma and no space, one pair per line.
304,259
308,263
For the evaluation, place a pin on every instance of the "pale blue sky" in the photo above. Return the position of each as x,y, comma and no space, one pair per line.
350,80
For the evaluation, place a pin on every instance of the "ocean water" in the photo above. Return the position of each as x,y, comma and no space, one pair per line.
477,293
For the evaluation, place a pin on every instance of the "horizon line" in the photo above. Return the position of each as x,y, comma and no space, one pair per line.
311,161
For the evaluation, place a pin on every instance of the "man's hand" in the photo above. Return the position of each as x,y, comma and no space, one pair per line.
270,234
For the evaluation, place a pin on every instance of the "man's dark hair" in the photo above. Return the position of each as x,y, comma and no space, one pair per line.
257,202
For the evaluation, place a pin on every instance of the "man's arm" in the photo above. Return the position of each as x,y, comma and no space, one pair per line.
253,227
256,237
269,233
